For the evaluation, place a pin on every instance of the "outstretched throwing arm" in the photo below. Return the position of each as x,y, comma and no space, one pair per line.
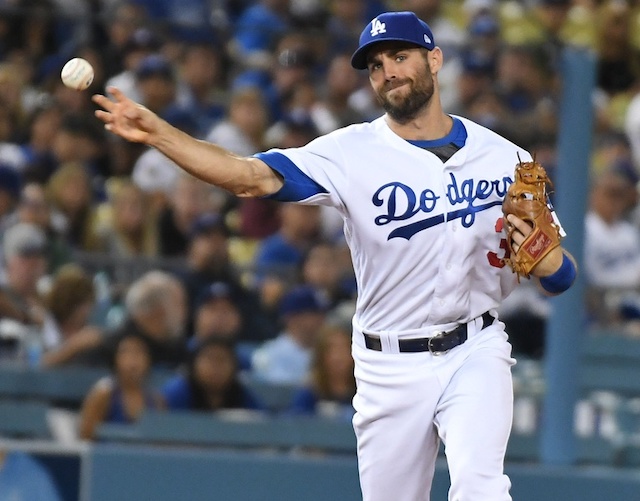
243,176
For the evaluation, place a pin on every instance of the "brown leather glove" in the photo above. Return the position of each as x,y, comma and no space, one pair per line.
527,199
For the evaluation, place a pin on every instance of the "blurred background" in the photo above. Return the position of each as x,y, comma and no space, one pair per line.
161,339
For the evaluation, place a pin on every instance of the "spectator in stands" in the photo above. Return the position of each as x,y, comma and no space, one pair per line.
34,30
257,31
22,477
612,248
156,175
209,263
24,248
13,87
279,256
478,64
287,358
140,43
281,253
42,126
35,208
120,20
525,87
69,302
189,199
78,141
346,19
69,191
293,69
129,229
618,60
123,396
333,110
10,188
211,382
294,63
331,385
157,83
203,78
243,131
182,18
224,311
217,314
324,270
156,309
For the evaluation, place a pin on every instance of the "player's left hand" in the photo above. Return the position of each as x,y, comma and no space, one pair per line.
550,263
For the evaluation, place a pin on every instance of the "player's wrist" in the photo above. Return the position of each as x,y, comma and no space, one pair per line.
562,278
550,264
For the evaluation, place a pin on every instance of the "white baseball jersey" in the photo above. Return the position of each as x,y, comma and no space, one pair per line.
422,234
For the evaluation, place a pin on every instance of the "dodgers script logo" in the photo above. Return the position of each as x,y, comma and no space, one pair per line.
402,203
377,27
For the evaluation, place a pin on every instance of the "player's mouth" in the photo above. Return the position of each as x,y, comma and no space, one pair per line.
392,86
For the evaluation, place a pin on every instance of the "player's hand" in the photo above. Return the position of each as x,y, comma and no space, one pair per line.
550,263
126,118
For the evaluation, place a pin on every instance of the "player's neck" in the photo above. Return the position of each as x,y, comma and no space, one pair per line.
430,125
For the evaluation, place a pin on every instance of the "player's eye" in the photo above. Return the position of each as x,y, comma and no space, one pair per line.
400,57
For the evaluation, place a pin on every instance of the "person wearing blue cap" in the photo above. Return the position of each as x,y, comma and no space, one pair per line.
287,358
420,192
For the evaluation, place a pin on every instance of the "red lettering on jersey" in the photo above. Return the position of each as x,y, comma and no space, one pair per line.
494,259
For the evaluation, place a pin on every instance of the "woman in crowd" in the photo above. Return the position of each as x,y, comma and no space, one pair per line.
211,382
332,384
123,396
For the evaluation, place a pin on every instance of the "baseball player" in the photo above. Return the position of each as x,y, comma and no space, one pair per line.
420,192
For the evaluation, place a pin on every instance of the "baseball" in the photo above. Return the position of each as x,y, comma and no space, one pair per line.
77,74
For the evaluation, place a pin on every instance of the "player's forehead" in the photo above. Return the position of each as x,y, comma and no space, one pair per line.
389,47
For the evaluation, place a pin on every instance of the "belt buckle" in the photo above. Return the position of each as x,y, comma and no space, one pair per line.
437,335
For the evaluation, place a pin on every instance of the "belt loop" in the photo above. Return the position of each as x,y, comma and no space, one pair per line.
475,326
478,323
389,343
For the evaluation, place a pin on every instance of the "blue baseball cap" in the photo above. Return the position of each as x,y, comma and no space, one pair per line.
394,26
207,223
215,290
303,299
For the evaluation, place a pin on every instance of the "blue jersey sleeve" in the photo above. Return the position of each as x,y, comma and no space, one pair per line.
297,185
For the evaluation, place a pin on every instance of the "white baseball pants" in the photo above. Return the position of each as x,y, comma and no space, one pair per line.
407,402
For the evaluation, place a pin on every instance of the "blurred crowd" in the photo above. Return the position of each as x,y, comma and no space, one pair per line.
112,257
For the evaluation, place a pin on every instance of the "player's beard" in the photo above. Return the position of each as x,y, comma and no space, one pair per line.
405,108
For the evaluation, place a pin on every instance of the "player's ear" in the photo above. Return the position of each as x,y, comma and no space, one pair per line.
435,59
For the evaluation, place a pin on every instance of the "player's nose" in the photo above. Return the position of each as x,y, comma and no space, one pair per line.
389,71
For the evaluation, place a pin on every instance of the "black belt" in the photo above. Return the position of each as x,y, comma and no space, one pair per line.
438,344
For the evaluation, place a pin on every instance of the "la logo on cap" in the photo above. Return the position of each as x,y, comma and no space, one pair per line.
377,27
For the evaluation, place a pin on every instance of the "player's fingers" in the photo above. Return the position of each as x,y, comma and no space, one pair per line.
105,116
522,226
517,238
117,94
103,102
132,112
